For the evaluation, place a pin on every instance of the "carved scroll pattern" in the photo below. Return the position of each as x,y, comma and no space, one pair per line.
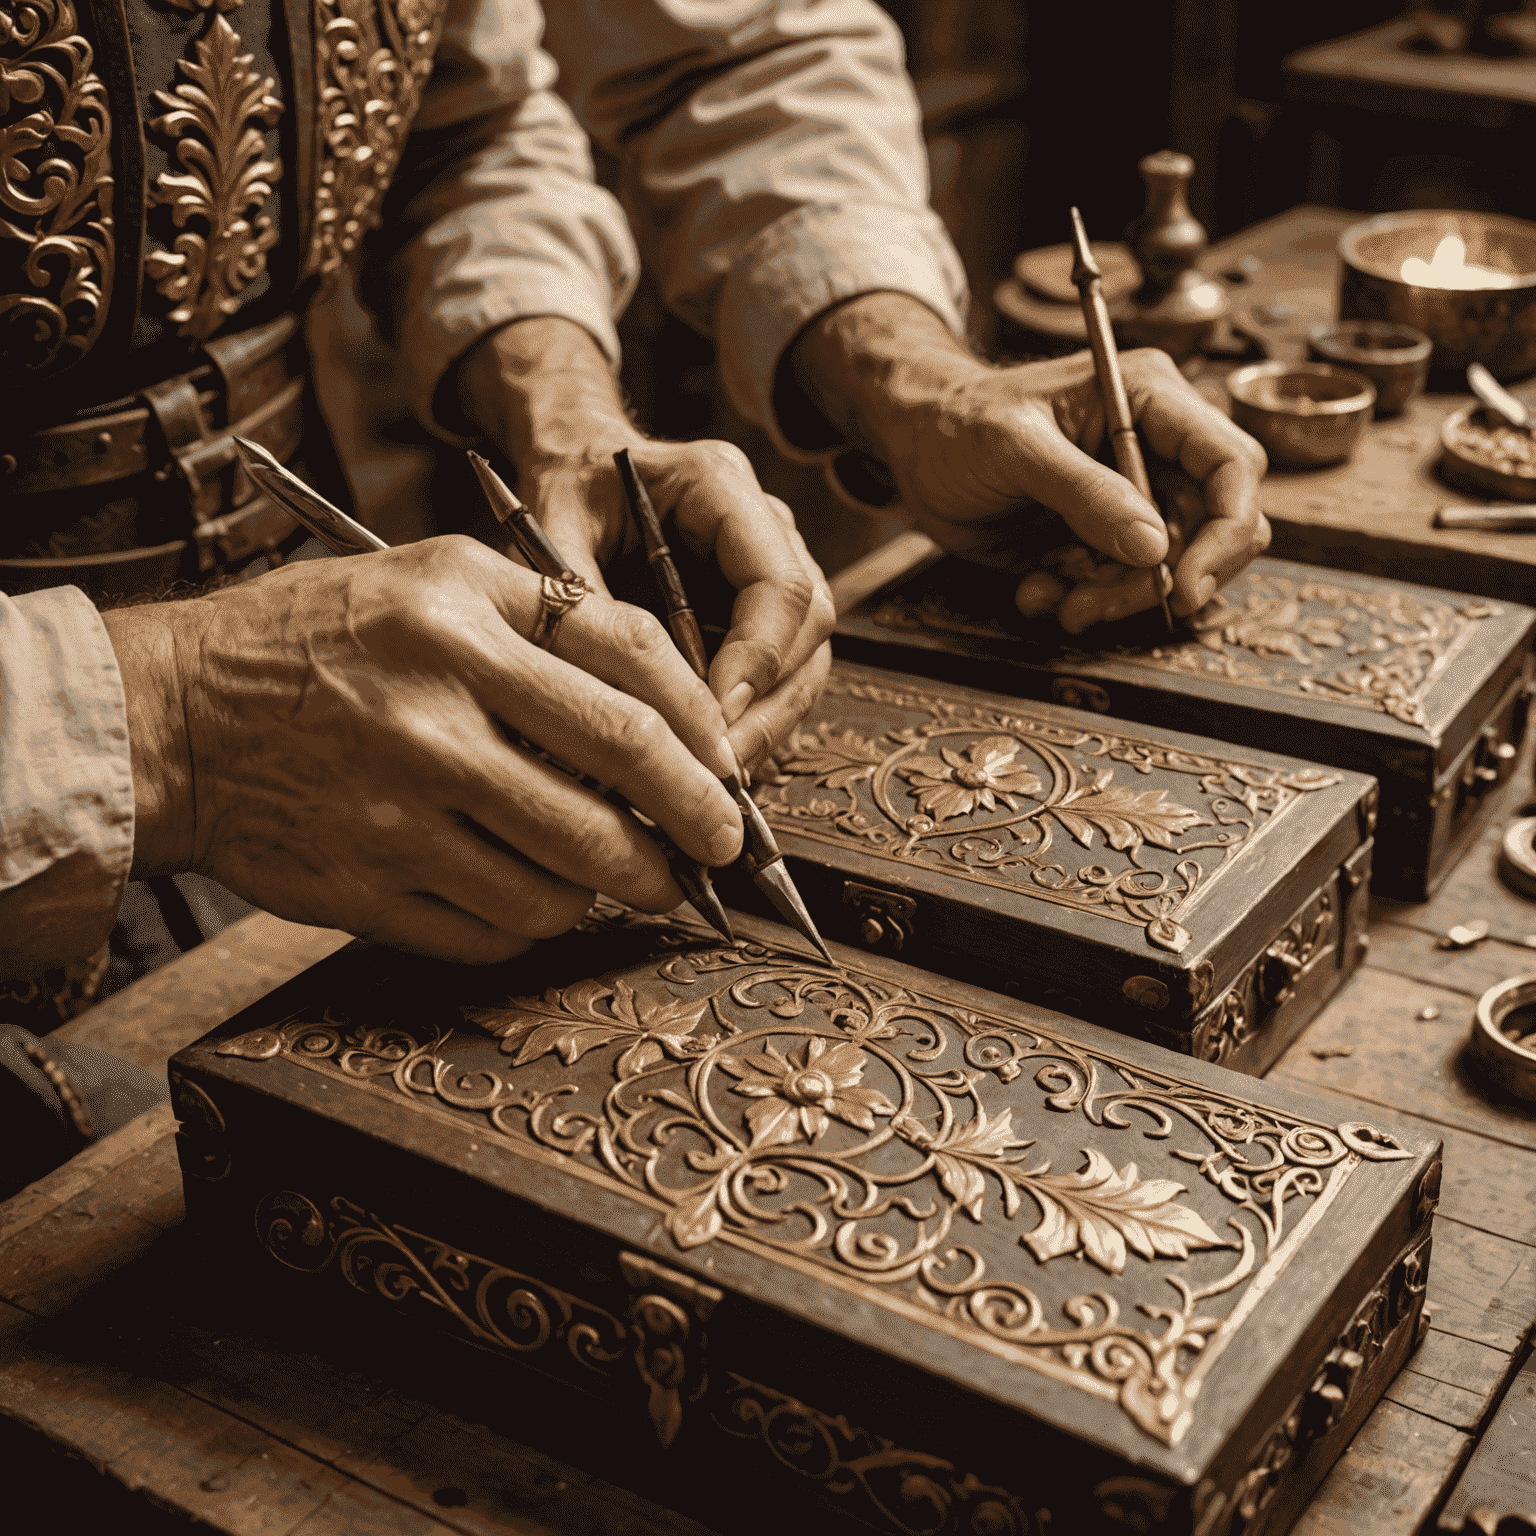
1376,649
497,1308
55,188
798,1110
993,792
374,59
217,116
909,1492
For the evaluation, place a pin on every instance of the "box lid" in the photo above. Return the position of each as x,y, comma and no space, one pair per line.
1396,678
1061,1231
1074,855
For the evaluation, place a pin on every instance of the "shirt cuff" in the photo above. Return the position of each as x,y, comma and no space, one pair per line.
800,266
66,782
471,296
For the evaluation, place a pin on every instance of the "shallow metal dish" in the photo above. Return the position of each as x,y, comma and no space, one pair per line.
1395,358
1462,468
1508,1064
1492,326
1304,413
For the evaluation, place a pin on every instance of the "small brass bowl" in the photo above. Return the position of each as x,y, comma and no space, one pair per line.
1395,358
1492,326
1460,465
1306,414
1507,1062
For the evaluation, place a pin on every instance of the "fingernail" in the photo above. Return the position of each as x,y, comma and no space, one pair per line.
1205,591
734,705
725,844
1142,545
726,754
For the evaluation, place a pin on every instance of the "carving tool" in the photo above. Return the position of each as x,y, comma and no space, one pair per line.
764,858
1089,282
344,535
1496,517
1496,397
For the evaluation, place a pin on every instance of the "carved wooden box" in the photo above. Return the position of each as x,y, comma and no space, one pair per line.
1208,897
795,1247
1426,690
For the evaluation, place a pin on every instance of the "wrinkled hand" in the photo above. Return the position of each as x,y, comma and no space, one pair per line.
987,458
340,742
543,391
772,664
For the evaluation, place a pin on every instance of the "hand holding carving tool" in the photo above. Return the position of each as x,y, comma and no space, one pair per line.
764,857
1089,282
346,536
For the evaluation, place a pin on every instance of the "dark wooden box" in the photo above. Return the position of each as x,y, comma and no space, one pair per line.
818,1247
1208,897
1424,689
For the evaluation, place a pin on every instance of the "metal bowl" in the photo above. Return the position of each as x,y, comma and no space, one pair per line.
1507,1062
1304,413
1395,358
1466,469
1492,326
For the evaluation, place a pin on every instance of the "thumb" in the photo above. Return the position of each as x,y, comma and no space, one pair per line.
1101,507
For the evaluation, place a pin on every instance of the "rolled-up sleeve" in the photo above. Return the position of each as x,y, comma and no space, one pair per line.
66,782
494,215
772,162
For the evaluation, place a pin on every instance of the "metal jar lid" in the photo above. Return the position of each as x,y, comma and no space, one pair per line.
1509,1064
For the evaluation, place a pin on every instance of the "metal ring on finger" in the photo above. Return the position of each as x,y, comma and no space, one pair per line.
557,596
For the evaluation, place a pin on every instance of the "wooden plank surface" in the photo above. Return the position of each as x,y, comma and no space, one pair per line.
1497,1492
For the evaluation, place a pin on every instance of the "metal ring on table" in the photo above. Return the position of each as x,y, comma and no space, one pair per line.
556,599
1509,1064
1517,857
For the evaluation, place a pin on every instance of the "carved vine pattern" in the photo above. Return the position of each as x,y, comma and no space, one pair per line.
55,186
217,116
907,792
741,1114
1376,649
371,85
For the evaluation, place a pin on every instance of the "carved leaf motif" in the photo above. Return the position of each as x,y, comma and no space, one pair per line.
1126,817
534,1029
837,761
973,1150
1100,1213
216,116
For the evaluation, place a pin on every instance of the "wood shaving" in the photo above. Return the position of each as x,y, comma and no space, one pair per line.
1323,1052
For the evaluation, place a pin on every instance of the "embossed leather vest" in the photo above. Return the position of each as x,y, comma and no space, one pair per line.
176,177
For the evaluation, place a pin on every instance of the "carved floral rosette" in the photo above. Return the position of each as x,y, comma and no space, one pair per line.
1374,648
886,1142
1027,802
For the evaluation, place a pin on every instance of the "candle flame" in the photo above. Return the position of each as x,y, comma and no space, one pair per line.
1449,268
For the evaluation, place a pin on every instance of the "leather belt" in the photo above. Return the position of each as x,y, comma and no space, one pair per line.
262,399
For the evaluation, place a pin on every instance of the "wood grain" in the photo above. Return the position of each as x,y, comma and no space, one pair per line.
1498,1489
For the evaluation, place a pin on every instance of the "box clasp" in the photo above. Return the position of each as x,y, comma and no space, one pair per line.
884,918
668,1311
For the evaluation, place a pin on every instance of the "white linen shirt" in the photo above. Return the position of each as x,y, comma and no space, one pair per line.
771,166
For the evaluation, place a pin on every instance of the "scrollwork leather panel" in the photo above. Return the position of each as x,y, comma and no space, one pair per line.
889,1143
217,117
1006,796
56,189
374,58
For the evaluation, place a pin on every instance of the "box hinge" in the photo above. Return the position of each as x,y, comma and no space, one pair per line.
668,1311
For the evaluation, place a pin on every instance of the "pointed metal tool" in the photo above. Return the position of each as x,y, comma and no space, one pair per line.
341,534
762,853
539,551
1089,282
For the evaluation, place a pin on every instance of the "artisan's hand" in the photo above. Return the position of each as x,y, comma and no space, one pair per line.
543,390
981,455
338,742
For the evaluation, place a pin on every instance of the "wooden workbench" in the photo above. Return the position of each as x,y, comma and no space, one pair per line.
1375,513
